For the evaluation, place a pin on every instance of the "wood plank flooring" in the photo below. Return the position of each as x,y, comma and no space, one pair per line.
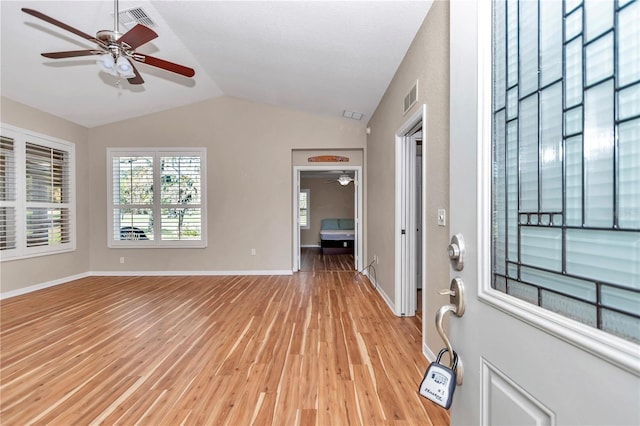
312,259
315,348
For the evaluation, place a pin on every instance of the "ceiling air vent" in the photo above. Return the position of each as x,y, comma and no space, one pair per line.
134,16
411,98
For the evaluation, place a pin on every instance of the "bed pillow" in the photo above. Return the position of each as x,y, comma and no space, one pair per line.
346,223
330,224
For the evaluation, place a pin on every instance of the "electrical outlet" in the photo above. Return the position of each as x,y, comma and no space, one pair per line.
122,260
253,252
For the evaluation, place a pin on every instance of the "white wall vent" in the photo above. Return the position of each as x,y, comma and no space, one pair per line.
137,15
411,98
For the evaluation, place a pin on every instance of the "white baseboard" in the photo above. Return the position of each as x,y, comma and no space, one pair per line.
428,353
381,292
25,290
181,273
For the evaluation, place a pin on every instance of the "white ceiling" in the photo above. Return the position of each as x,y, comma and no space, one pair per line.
318,56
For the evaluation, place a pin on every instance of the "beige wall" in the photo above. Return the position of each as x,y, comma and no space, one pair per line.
329,199
427,61
249,153
19,274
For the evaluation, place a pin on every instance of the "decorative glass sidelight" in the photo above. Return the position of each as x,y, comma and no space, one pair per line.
566,158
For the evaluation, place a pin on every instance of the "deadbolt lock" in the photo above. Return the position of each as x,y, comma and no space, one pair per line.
456,251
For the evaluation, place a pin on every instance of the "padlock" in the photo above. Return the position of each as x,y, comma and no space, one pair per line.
439,381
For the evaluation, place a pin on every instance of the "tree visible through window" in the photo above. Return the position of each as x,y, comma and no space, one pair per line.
158,198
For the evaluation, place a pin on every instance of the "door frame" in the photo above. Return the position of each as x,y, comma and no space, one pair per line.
405,214
357,211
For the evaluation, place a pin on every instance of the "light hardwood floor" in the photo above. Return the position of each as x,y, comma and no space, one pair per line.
315,348
312,259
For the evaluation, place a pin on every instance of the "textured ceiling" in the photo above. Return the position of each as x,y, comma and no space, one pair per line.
317,56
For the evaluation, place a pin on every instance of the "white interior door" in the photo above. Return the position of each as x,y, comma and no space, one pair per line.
524,364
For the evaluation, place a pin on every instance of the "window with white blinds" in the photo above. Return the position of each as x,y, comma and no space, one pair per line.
566,158
157,197
37,194
304,208
8,202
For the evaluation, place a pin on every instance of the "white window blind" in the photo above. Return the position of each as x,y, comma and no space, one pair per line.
566,159
7,194
157,198
304,208
47,196
37,194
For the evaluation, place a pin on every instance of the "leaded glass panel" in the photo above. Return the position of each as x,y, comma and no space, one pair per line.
566,159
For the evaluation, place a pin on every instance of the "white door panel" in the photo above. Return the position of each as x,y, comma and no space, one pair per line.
522,365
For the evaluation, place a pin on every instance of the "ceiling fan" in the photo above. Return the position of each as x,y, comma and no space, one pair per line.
344,179
115,50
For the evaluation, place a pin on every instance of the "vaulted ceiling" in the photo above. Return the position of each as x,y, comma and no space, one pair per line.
318,56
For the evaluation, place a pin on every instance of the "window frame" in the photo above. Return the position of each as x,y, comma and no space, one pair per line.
306,191
21,138
156,206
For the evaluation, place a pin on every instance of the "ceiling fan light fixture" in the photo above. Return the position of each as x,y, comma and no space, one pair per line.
344,180
107,63
124,67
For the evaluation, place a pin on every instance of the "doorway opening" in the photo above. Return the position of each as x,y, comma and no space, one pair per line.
320,200
410,193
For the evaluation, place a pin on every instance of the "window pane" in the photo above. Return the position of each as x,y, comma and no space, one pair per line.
132,180
512,41
528,47
303,208
7,194
629,174
598,17
551,148
47,175
573,78
573,186
500,54
181,224
628,35
550,41
180,178
47,226
629,102
133,224
599,58
7,228
598,155
528,154
7,170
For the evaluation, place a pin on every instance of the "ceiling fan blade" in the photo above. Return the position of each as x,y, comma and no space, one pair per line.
72,53
166,65
137,36
137,79
62,25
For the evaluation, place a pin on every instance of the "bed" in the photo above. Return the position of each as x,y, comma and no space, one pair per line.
337,236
